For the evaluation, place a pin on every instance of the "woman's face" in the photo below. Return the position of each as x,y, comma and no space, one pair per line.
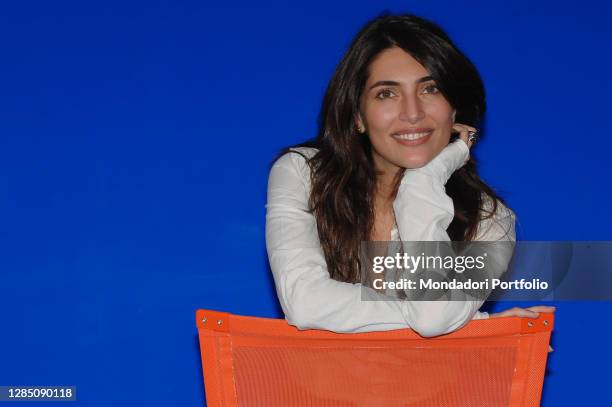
406,117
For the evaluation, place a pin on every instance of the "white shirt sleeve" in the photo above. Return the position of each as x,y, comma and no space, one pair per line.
311,299
423,212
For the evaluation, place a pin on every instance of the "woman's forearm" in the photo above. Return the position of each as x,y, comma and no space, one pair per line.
309,297
423,213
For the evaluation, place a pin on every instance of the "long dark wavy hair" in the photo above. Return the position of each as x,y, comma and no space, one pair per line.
343,176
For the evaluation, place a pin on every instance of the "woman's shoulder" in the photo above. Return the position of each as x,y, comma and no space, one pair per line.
498,221
297,152
296,159
289,179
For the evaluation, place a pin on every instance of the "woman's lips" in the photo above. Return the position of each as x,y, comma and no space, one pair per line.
403,140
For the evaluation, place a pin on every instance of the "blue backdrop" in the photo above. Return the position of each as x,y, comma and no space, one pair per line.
136,139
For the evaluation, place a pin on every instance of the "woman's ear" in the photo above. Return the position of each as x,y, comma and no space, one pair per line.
359,124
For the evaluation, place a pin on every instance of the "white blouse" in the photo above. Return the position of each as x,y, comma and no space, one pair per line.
311,299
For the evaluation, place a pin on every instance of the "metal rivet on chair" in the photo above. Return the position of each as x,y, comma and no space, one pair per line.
204,320
545,322
219,322
529,324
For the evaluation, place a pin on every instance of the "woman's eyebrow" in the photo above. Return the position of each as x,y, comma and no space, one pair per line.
394,83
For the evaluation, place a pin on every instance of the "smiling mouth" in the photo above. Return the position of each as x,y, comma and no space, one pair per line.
412,138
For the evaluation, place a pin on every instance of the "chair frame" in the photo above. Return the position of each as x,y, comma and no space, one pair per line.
221,332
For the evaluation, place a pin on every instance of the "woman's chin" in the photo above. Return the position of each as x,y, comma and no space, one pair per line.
414,163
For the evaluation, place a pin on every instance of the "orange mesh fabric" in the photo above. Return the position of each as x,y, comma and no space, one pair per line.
264,362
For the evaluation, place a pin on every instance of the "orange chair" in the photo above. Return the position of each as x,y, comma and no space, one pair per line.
252,361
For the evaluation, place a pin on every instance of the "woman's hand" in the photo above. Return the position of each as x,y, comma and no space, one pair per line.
452,157
463,129
531,312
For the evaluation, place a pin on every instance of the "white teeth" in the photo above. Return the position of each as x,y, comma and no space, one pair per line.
411,136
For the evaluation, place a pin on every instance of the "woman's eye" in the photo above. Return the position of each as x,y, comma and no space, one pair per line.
431,89
384,94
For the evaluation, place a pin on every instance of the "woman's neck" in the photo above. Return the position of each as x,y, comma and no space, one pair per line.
384,216
385,189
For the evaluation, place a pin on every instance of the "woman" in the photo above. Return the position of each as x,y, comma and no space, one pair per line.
383,167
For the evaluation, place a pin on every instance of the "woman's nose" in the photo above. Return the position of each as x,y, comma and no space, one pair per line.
411,109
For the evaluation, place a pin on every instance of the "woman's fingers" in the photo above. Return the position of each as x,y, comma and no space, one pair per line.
531,312
542,308
524,312
515,312
463,130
